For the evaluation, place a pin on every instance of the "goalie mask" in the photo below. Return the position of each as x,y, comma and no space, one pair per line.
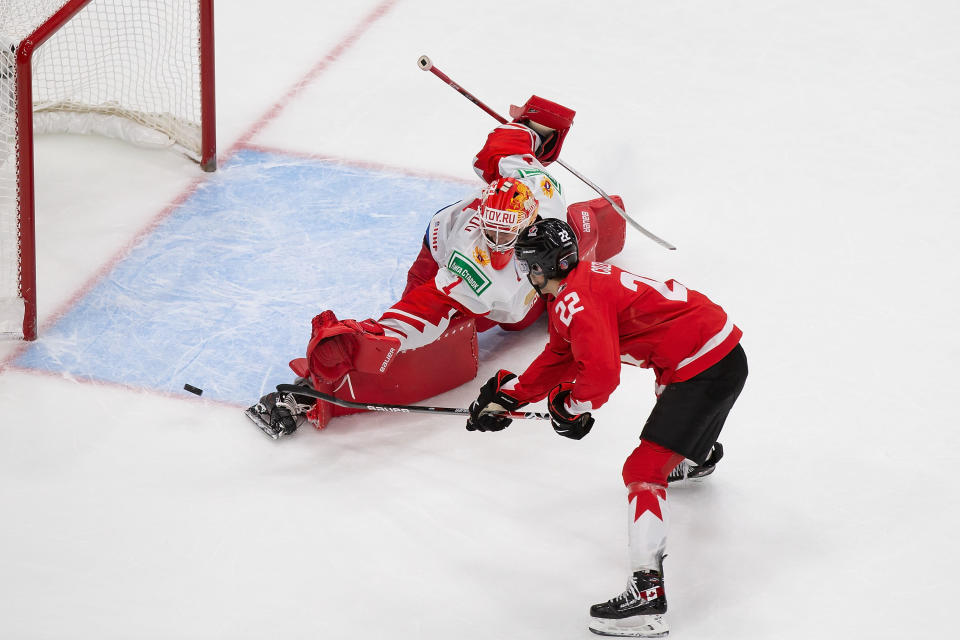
547,248
507,207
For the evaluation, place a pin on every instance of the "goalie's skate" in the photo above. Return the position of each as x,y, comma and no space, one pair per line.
635,613
278,414
689,470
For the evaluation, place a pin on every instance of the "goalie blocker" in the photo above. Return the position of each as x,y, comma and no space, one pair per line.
381,373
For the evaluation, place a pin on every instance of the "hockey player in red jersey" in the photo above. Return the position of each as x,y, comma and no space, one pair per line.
601,316
462,282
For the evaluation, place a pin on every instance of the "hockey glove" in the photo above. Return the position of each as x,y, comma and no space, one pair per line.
566,424
552,121
493,398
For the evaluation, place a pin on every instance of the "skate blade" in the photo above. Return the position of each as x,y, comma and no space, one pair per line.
256,419
700,474
649,626
694,477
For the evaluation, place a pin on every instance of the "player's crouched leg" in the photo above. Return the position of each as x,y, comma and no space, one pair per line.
689,416
639,610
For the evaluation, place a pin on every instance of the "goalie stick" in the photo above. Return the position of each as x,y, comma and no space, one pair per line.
400,408
426,64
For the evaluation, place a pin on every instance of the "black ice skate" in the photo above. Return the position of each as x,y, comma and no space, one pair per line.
637,612
279,414
689,470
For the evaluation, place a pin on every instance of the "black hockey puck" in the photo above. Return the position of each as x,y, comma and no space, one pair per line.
193,389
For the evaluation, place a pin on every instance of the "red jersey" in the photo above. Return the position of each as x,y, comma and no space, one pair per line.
603,316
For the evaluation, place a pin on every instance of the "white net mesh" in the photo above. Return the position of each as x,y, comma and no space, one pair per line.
124,68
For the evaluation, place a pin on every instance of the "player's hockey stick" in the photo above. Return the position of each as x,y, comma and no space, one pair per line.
400,408
426,64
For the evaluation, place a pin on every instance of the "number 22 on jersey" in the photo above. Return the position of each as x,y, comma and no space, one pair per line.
570,304
677,294
567,306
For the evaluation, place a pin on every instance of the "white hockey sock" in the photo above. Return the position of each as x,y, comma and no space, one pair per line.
647,519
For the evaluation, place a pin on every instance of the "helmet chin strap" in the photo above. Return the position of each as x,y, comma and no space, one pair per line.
540,291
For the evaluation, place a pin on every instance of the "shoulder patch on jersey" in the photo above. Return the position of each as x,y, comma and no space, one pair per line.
481,257
546,187
464,267
549,183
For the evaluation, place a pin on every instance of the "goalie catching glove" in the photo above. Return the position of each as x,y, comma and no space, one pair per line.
567,424
493,398
550,120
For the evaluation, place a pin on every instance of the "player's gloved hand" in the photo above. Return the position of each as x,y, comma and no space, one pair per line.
493,398
551,121
566,424
549,147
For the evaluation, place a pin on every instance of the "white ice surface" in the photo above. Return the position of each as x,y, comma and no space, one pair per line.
804,157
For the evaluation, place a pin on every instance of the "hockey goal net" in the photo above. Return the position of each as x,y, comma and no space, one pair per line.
138,70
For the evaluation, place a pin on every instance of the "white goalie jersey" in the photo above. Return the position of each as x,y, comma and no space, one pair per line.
466,272
470,276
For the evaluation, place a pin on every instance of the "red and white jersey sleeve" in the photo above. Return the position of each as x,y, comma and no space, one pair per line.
609,316
507,140
420,317
508,153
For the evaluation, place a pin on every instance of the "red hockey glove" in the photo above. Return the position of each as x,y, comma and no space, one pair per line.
565,423
550,120
340,346
493,398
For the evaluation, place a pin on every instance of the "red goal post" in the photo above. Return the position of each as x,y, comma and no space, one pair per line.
135,70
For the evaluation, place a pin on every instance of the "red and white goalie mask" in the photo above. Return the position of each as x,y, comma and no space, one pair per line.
507,207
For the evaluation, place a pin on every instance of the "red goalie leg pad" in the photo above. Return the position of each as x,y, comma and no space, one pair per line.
337,347
330,351
602,220
413,375
582,219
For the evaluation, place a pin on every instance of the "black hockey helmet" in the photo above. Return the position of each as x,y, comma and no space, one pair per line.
548,247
